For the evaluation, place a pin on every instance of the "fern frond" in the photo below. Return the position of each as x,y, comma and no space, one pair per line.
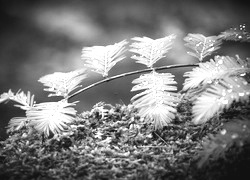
220,67
5,97
102,58
220,96
61,84
202,46
236,34
157,102
235,132
17,123
51,116
149,50
25,101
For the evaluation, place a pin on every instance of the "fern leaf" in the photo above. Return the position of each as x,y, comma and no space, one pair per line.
220,96
220,67
61,84
25,101
51,116
17,123
157,102
236,34
235,132
5,97
102,58
149,50
202,46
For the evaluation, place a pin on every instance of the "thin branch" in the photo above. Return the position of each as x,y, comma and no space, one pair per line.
129,74
160,137
153,146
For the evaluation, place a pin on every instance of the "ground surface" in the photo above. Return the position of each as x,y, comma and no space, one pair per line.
114,143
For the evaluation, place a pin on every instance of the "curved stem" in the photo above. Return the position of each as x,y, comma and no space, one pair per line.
130,73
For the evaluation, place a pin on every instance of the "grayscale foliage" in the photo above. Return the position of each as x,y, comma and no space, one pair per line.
202,46
157,102
150,51
214,84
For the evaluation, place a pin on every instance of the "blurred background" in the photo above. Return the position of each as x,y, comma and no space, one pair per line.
46,36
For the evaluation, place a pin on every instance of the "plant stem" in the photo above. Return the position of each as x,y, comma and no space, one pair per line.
160,137
130,73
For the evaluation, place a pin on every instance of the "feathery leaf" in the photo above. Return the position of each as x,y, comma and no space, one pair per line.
51,116
17,123
220,96
202,46
149,50
61,84
236,34
220,67
5,97
102,58
24,101
234,133
156,103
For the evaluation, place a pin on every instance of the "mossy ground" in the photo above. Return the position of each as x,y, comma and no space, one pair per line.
112,142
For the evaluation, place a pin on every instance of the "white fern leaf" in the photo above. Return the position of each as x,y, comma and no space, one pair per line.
202,46
17,123
236,34
51,116
61,84
150,51
220,96
157,102
220,67
102,58
5,97
25,101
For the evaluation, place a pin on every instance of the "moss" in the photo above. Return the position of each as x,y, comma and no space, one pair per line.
118,145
